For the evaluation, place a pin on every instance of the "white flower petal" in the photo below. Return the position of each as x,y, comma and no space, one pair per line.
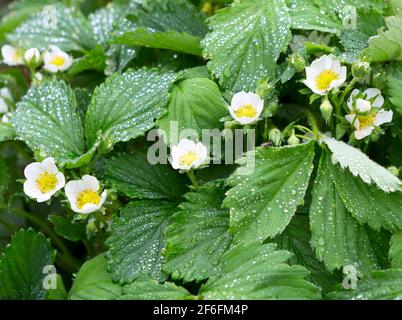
351,99
374,92
90,182
350,117
32,170
383,117
3,105
362,133
48,165
363,105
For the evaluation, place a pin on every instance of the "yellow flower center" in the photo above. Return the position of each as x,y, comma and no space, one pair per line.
87,196
188,158
366,121
324,79
16,56
46,182
246,111
58,61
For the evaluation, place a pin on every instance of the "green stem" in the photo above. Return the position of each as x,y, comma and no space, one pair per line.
192,178
347,89
11,227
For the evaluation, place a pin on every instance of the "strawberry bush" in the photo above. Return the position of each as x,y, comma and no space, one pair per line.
201,149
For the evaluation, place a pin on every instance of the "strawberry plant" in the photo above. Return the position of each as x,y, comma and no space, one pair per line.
201,149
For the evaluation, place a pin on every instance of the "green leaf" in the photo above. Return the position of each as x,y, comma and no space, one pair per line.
59,293
198,235
387,46
337,237
167,15
379,285
394,85
246,41
21,266
361,165
170,40
133,175
4,181
263,202
92,60
58,24
20,11
47,120
145,288
367,203
355,40
307,14
104,20
258,271
194,104
125,106
7,132
395,251
93,282
296,239
136,240
67,229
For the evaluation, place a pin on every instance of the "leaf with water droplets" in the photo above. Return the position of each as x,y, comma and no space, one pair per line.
104,20
258,271
164,24
125,106
21,266
145,288
47,120
354,40
337,237
378,285
198,235
262,202
307,14
194,104
387,45
296,239
395,251
133,175
136,240
94,59
93,282
7,132
361,165
246,41
56,25
367,203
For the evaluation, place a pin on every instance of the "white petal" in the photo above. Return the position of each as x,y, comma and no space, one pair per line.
383,117
239,100
32,170
72,189
31,189
350,117
6,93
48,165
61,181
374,92
362,133
87,208
3,106
90,182
363,105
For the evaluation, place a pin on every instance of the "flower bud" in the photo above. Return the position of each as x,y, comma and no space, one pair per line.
326,110
293,140
298,62
264,89
394,170
32,57
360,70
275,135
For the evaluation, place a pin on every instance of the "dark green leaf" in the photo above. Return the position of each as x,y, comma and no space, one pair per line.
67,229
198,235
